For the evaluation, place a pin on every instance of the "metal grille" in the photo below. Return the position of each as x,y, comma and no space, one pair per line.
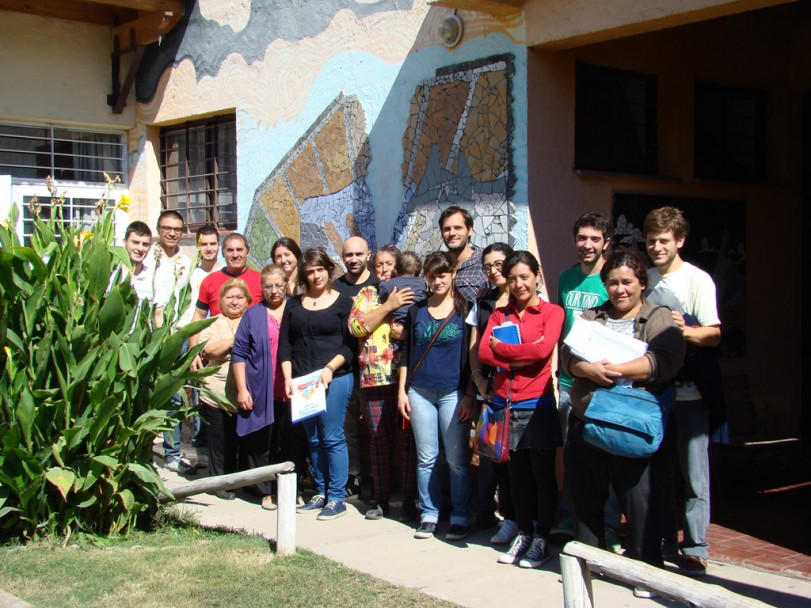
198,172
36,152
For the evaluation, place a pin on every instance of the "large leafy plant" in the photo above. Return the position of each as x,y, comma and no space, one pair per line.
85,380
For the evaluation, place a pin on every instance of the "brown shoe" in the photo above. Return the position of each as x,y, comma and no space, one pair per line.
692,565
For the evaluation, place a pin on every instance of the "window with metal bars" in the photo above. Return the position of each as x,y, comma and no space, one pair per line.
615,120
65,154
730,133
199,172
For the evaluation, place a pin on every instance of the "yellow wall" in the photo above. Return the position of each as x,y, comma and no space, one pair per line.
57,71
764,50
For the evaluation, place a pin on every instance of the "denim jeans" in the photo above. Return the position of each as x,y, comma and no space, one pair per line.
435,414
686,446
325,436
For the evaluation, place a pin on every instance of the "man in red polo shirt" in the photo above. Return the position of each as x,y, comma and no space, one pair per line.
235,250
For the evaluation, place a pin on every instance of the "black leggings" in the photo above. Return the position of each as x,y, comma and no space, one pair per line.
534,489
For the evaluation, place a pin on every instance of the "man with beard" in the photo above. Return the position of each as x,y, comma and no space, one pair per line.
356,256
456,225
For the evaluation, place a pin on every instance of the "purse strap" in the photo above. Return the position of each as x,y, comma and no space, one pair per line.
427,348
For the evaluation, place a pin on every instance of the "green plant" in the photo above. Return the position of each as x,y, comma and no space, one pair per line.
85,380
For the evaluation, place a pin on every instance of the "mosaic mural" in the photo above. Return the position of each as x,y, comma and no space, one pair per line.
457,151
317,194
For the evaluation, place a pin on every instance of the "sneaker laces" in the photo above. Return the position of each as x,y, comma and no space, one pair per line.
332,504
536,549
316,499
519,545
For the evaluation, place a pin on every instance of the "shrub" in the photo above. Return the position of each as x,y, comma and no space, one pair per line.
85,381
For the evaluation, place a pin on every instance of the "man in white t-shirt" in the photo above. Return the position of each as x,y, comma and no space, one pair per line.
137,241
690,294
171,274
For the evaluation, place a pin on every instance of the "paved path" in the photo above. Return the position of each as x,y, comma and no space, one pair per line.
466,572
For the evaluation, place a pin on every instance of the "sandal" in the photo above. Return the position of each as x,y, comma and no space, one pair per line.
268,504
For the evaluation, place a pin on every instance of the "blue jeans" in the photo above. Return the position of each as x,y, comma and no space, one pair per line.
325,436
435,413
689,429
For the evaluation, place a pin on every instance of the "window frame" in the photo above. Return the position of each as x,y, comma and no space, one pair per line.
613,132
213,173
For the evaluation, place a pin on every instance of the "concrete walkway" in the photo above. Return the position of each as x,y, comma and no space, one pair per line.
464,572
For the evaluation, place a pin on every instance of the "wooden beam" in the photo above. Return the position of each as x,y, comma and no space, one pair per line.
497,8
70,10
121,96
143,5
150,27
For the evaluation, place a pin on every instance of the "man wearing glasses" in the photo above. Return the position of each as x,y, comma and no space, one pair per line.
171,275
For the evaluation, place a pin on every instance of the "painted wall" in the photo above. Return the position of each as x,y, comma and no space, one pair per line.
351,118
57,71
764,50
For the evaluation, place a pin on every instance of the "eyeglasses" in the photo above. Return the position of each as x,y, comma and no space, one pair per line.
170,229
497,265
273,287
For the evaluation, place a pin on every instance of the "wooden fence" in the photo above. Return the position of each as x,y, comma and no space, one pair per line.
285,476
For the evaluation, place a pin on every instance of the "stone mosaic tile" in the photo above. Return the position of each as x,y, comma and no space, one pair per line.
317,194
457,152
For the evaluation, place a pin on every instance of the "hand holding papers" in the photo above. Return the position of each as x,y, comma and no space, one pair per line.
309,397
594,342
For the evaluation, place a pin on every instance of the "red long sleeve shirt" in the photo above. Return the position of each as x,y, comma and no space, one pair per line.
540,330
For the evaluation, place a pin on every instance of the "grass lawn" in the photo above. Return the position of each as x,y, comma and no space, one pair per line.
188,566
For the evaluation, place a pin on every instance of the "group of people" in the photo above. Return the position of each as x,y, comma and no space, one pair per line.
417,357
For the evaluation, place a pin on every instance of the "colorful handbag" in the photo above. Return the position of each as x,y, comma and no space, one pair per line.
492,436
627,421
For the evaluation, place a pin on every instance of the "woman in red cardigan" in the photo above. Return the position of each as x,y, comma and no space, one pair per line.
524,381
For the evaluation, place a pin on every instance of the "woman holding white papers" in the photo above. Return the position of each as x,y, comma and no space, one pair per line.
524,382
314,337
590,470
436,395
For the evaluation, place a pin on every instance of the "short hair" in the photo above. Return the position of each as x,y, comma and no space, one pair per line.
139,228
170,213
272,269
453,210
497,247
287,243
239,284
315,256
236,235
594,220
626,257
520,257
666,219
410,264
441,262
207,229
392,251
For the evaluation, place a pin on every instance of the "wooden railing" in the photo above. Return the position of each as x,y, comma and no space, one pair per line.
285,476
577,561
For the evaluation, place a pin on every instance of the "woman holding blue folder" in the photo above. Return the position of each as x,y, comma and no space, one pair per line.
524,382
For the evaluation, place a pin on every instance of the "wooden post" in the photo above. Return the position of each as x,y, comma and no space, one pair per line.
577,592
667,584
286,514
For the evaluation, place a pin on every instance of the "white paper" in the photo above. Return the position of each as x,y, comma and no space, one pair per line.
308,399
593,341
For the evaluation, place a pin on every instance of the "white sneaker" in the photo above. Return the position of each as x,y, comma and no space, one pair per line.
519,547
507,531
536,555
